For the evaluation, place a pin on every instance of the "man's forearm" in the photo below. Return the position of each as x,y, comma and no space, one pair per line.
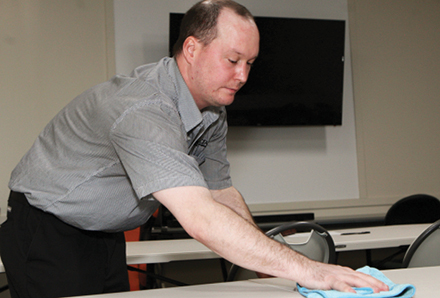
233,237
231,197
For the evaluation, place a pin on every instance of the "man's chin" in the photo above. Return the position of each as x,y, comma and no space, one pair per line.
227,101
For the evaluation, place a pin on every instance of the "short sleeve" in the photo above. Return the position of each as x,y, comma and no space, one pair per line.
151,145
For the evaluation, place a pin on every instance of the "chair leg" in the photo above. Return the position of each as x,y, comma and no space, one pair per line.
224,270
368,256
162,278
4,288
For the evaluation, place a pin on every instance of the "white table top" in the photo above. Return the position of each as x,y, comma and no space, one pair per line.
160,251
370,237
424,279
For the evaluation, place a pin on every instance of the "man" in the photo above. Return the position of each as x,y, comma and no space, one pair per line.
117,151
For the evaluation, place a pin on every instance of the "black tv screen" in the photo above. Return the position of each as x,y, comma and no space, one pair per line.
298,76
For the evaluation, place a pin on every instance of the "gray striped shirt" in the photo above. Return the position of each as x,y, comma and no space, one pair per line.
96,164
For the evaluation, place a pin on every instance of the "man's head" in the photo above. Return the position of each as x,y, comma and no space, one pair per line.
200,21
218,42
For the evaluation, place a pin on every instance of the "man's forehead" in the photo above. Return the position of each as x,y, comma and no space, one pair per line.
230,23
228,15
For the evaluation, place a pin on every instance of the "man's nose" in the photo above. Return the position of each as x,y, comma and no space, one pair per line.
243,73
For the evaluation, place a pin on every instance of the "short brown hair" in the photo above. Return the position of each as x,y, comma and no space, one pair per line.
200,21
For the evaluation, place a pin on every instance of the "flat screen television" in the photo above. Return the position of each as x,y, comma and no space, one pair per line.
298,77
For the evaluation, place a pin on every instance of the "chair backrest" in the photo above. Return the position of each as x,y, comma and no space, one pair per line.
418,208
425,249
319,246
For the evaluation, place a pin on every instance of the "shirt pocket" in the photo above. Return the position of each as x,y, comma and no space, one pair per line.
197,151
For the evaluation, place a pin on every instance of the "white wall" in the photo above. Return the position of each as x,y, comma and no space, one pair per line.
52,50
395,64
269,165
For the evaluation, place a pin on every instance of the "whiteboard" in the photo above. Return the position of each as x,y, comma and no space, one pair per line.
270,164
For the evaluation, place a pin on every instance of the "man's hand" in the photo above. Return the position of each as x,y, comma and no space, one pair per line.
327,277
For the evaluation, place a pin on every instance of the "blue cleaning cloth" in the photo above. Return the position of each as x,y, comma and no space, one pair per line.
395,290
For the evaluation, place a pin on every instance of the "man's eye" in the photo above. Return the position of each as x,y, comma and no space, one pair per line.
232,61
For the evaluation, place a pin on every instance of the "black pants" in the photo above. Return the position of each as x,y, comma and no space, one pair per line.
45,257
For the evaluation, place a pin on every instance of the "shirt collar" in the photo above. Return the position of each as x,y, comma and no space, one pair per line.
188,110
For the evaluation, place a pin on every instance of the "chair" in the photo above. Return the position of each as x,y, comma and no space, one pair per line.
413,209
418,208
425,249
319,247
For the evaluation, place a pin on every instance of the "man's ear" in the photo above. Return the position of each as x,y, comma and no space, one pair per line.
189,48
